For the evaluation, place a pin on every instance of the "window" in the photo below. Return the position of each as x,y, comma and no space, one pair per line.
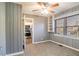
73,26
59,22
68,26
59,26
59,30
72,31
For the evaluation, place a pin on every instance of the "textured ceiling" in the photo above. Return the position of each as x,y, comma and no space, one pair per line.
27,7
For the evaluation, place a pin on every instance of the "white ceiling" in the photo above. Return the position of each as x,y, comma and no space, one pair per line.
29,6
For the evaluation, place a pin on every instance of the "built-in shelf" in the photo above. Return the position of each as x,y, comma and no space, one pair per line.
50,24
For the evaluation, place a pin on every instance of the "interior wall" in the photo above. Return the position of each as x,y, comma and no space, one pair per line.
14,28
66,40
40,28
28,22
69,12
2,29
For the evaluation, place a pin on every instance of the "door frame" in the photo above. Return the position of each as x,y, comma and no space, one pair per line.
32,28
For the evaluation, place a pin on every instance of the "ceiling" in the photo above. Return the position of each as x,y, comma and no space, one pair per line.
27,7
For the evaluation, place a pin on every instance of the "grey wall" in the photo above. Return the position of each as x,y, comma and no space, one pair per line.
14,28
11,28
69,12
2,29
66,40
40,28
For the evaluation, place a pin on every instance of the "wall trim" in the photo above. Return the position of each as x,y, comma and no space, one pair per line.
15,54
21,52
57,43
66,36
41,41
65,45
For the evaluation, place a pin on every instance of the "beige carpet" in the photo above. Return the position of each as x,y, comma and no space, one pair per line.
49,49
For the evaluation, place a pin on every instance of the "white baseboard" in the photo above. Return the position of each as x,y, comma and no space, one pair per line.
18,53
65,45
15,54
41,41
57,43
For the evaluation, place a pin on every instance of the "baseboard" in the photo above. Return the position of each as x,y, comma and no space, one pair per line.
65,45
15,54
57,43
41,41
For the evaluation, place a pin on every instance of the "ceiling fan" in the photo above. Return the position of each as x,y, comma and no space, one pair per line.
46,6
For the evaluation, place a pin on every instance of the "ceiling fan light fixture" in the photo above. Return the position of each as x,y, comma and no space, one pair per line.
45,11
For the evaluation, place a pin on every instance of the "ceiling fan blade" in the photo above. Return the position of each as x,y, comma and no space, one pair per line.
34,10
43,4
39,3
53,6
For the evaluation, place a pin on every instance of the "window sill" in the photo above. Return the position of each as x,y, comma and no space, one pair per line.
66,36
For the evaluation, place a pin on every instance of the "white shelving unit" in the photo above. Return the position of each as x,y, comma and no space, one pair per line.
50,24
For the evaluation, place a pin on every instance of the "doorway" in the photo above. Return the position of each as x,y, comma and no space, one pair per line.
28,34
28,30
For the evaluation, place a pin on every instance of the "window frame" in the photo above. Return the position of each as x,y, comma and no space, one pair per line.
65,26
